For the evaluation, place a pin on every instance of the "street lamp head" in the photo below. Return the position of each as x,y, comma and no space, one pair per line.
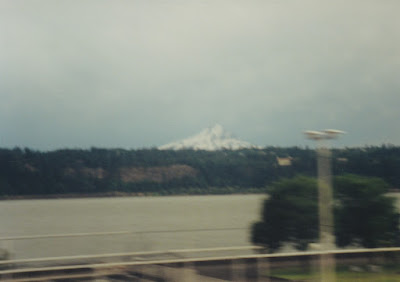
333,133
326,134
314,135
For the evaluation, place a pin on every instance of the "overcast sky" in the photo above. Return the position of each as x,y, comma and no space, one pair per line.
137,74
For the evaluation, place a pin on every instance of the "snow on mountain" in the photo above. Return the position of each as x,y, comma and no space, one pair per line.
210,139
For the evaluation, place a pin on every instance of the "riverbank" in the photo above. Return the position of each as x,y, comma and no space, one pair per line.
117,194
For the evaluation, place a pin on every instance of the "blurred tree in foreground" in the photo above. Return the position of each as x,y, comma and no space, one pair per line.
364,215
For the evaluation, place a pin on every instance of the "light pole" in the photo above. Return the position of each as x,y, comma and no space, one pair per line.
325,201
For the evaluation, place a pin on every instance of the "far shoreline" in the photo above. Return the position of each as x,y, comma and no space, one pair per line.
115,195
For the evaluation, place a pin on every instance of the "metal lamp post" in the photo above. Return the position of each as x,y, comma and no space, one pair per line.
325,201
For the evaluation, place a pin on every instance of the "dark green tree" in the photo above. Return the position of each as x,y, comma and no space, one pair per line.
364,215
288,215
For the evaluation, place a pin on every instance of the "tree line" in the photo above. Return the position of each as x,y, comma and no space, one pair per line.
24,171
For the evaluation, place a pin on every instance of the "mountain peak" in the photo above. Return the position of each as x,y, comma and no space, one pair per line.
210,139
217,131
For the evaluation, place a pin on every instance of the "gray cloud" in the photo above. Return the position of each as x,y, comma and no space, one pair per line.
141,73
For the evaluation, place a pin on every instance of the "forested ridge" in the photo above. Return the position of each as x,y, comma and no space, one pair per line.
153,171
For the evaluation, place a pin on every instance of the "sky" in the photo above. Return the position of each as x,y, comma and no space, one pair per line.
140,74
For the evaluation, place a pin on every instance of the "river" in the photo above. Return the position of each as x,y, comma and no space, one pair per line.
156,223
152,224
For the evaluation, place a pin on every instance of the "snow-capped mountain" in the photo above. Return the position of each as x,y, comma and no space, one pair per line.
210,139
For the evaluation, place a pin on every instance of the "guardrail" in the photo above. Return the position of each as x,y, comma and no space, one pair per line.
250,266
125,255
230,261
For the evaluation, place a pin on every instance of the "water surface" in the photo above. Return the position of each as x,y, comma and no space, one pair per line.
143,215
